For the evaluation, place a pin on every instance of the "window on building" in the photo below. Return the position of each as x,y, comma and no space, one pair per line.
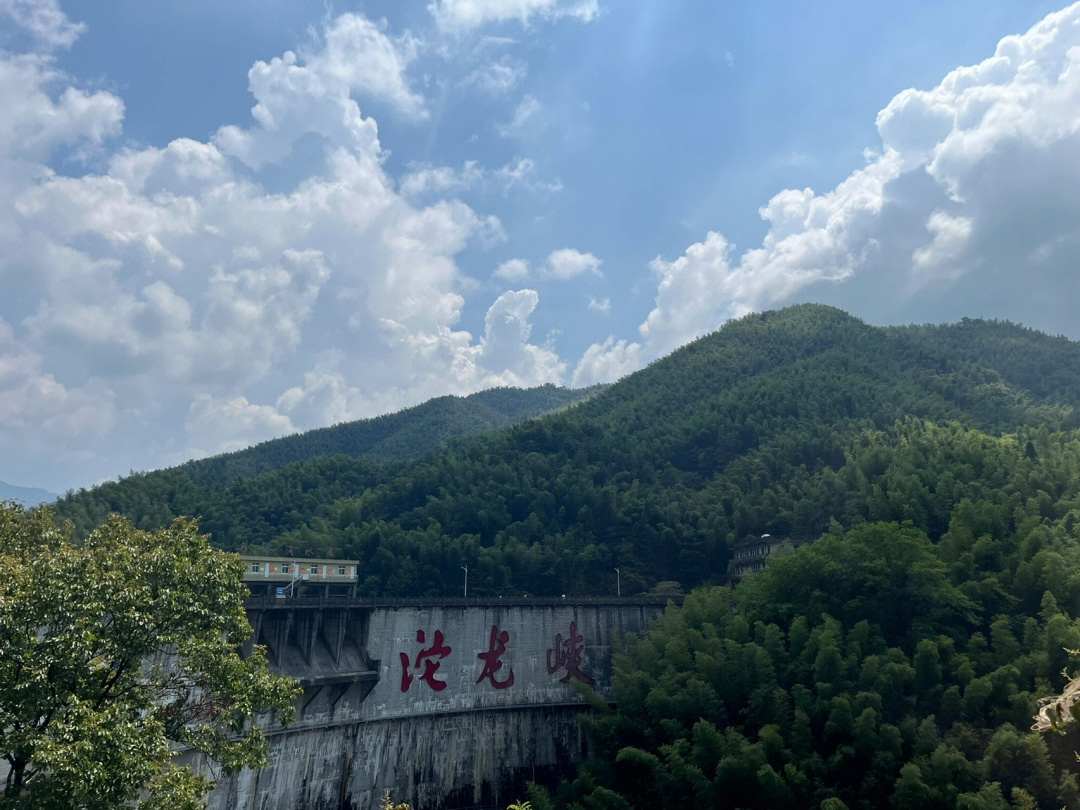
255,568
341,570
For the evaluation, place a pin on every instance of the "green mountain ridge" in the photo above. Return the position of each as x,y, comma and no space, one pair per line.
896,661
766,425
396,436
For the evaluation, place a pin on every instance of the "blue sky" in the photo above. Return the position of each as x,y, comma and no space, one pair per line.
434,198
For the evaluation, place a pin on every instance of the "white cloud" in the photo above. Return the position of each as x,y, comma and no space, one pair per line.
312,92
519,173
184,168
221,425
173,270
607,362
36,409
567,263
441,362
428,179
505,353
975,188
44,20
462,16
938,260
496,78
602,305
691,295
326,397
513,270
39,116
523,120
256,314
358,53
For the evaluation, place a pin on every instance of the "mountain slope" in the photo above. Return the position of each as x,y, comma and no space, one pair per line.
401,435
784,422
28,496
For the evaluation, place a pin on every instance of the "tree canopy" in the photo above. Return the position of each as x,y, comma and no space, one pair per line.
115,654
869,669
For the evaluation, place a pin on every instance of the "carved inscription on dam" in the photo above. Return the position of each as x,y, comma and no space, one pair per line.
443,703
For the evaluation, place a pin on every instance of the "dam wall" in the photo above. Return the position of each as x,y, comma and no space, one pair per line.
442,703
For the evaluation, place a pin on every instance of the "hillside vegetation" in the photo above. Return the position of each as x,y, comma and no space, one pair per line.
779,422
894,662
397,436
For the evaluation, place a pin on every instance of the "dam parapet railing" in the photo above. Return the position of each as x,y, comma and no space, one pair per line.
380,602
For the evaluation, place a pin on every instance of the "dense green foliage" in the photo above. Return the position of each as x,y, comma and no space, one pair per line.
779,422
894,662
117,652
870,669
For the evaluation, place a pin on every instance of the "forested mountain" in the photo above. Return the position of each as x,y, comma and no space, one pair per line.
893,662
401,435
779,422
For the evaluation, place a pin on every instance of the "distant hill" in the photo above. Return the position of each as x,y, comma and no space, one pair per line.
393,437
783,422
28,496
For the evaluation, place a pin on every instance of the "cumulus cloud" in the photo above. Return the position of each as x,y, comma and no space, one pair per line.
462,16
39,116
325,396
691,295
973,190
513,270
311,92
428,179
506,357
442,362
567,263
220,425
44,20
171,269
939,259
32,401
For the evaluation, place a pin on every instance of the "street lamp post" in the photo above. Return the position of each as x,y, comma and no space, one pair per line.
618,583
465,568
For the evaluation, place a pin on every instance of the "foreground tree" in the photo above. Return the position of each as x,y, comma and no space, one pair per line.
868,669
116,654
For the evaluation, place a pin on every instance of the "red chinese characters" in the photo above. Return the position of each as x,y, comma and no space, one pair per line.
567,656
492,664
429,659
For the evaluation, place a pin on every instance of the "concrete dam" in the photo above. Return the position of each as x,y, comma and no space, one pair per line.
445,703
